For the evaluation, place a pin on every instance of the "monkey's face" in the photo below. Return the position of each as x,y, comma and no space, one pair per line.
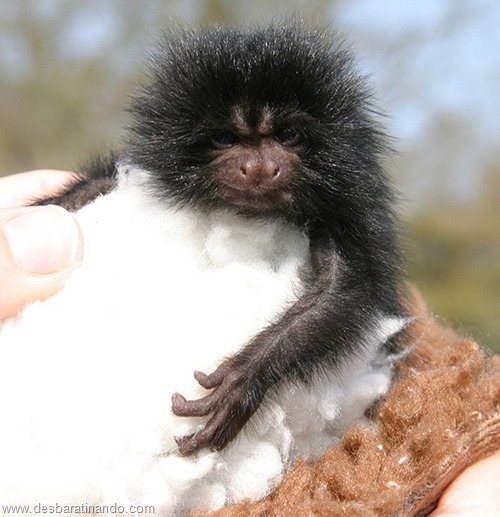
270,120
254,167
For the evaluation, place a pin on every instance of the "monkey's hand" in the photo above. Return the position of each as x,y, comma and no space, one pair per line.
232,402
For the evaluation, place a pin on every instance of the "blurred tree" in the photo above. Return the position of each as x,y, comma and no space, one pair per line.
57,92
444,162
454,251
230,11
67,67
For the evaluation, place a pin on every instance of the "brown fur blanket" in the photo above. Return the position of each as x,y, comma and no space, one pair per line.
441,415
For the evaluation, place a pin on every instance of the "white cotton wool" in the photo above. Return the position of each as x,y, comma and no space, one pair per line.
88,375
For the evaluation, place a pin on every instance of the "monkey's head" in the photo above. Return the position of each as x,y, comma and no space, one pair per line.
267,120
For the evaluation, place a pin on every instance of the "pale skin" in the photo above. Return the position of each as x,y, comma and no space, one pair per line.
40,247
475,492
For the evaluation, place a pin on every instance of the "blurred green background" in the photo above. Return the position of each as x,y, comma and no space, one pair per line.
68,66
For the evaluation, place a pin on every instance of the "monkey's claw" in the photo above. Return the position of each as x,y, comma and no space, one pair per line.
231,404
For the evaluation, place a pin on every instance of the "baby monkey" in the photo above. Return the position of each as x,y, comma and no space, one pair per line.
271,122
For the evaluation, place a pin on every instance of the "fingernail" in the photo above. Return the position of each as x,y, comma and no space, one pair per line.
44,240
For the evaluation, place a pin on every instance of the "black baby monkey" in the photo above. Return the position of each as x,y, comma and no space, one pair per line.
272,122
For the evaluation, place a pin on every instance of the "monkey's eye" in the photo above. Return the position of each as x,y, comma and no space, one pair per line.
287,136
224,140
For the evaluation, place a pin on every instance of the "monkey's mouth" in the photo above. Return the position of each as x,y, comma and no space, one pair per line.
256,198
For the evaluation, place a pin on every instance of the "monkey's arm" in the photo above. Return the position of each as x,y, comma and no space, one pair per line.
321,329
97,178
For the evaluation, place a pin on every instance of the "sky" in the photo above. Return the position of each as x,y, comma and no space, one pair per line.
458,63
453,70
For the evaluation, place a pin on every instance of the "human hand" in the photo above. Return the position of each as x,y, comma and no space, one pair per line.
39,246
474,492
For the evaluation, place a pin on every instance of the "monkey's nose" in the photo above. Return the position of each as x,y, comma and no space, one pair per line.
259,172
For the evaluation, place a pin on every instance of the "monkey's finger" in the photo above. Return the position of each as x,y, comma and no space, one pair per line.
190,443
200,407
212,435
209,381
186,444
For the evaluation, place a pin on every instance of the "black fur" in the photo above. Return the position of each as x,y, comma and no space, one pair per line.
304,80
98,177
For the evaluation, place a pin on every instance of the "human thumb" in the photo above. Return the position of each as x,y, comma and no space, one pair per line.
39,247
